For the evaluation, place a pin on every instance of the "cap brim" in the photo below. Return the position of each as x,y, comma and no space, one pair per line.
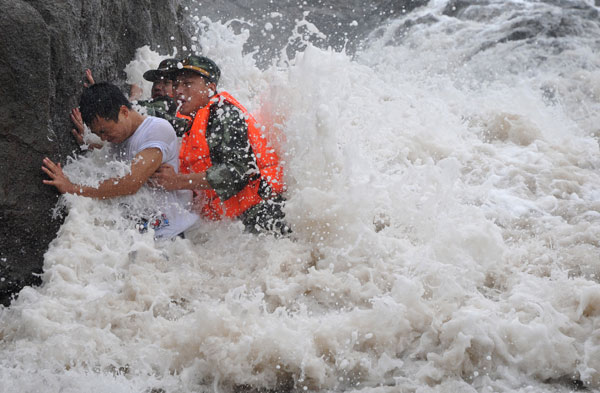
154,75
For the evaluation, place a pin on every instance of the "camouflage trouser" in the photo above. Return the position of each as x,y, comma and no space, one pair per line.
267,217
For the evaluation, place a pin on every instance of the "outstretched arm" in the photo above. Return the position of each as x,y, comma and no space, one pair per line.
143,166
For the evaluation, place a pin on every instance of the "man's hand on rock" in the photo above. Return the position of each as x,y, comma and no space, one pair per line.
57,177
89,77
78,123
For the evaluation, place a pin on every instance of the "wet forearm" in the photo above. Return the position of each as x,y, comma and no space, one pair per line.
109,188
143,166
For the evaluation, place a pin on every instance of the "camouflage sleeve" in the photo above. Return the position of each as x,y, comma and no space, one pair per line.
152,107
233,163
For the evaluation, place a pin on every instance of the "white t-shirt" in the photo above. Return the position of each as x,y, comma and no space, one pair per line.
170,213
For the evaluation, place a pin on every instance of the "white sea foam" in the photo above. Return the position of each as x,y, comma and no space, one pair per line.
446,223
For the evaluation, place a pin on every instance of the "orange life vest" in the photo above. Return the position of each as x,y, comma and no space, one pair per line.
194,157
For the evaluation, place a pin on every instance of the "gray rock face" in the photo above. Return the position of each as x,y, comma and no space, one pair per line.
45,46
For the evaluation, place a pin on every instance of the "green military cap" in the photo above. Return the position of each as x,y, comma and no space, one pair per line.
201,65
163,70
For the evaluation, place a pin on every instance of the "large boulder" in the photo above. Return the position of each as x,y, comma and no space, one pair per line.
45,47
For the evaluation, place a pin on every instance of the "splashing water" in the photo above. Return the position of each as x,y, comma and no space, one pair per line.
445,201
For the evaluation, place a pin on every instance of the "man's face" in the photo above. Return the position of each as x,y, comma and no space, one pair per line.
192,92
110,130
162,87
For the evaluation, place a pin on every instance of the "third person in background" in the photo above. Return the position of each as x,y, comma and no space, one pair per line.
162,104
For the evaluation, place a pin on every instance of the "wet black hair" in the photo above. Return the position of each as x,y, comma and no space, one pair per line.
102,100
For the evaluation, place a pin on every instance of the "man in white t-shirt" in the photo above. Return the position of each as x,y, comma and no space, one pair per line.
148,142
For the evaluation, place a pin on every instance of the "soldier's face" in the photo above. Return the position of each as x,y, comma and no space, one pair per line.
162,87
192,92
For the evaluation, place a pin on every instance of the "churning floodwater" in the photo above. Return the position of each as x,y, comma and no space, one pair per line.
444,193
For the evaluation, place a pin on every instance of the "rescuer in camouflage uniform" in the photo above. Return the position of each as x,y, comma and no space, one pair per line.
162,103
224,158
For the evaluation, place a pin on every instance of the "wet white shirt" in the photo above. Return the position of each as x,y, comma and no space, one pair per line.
170,213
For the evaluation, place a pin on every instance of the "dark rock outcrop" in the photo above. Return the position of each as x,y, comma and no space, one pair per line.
45,47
